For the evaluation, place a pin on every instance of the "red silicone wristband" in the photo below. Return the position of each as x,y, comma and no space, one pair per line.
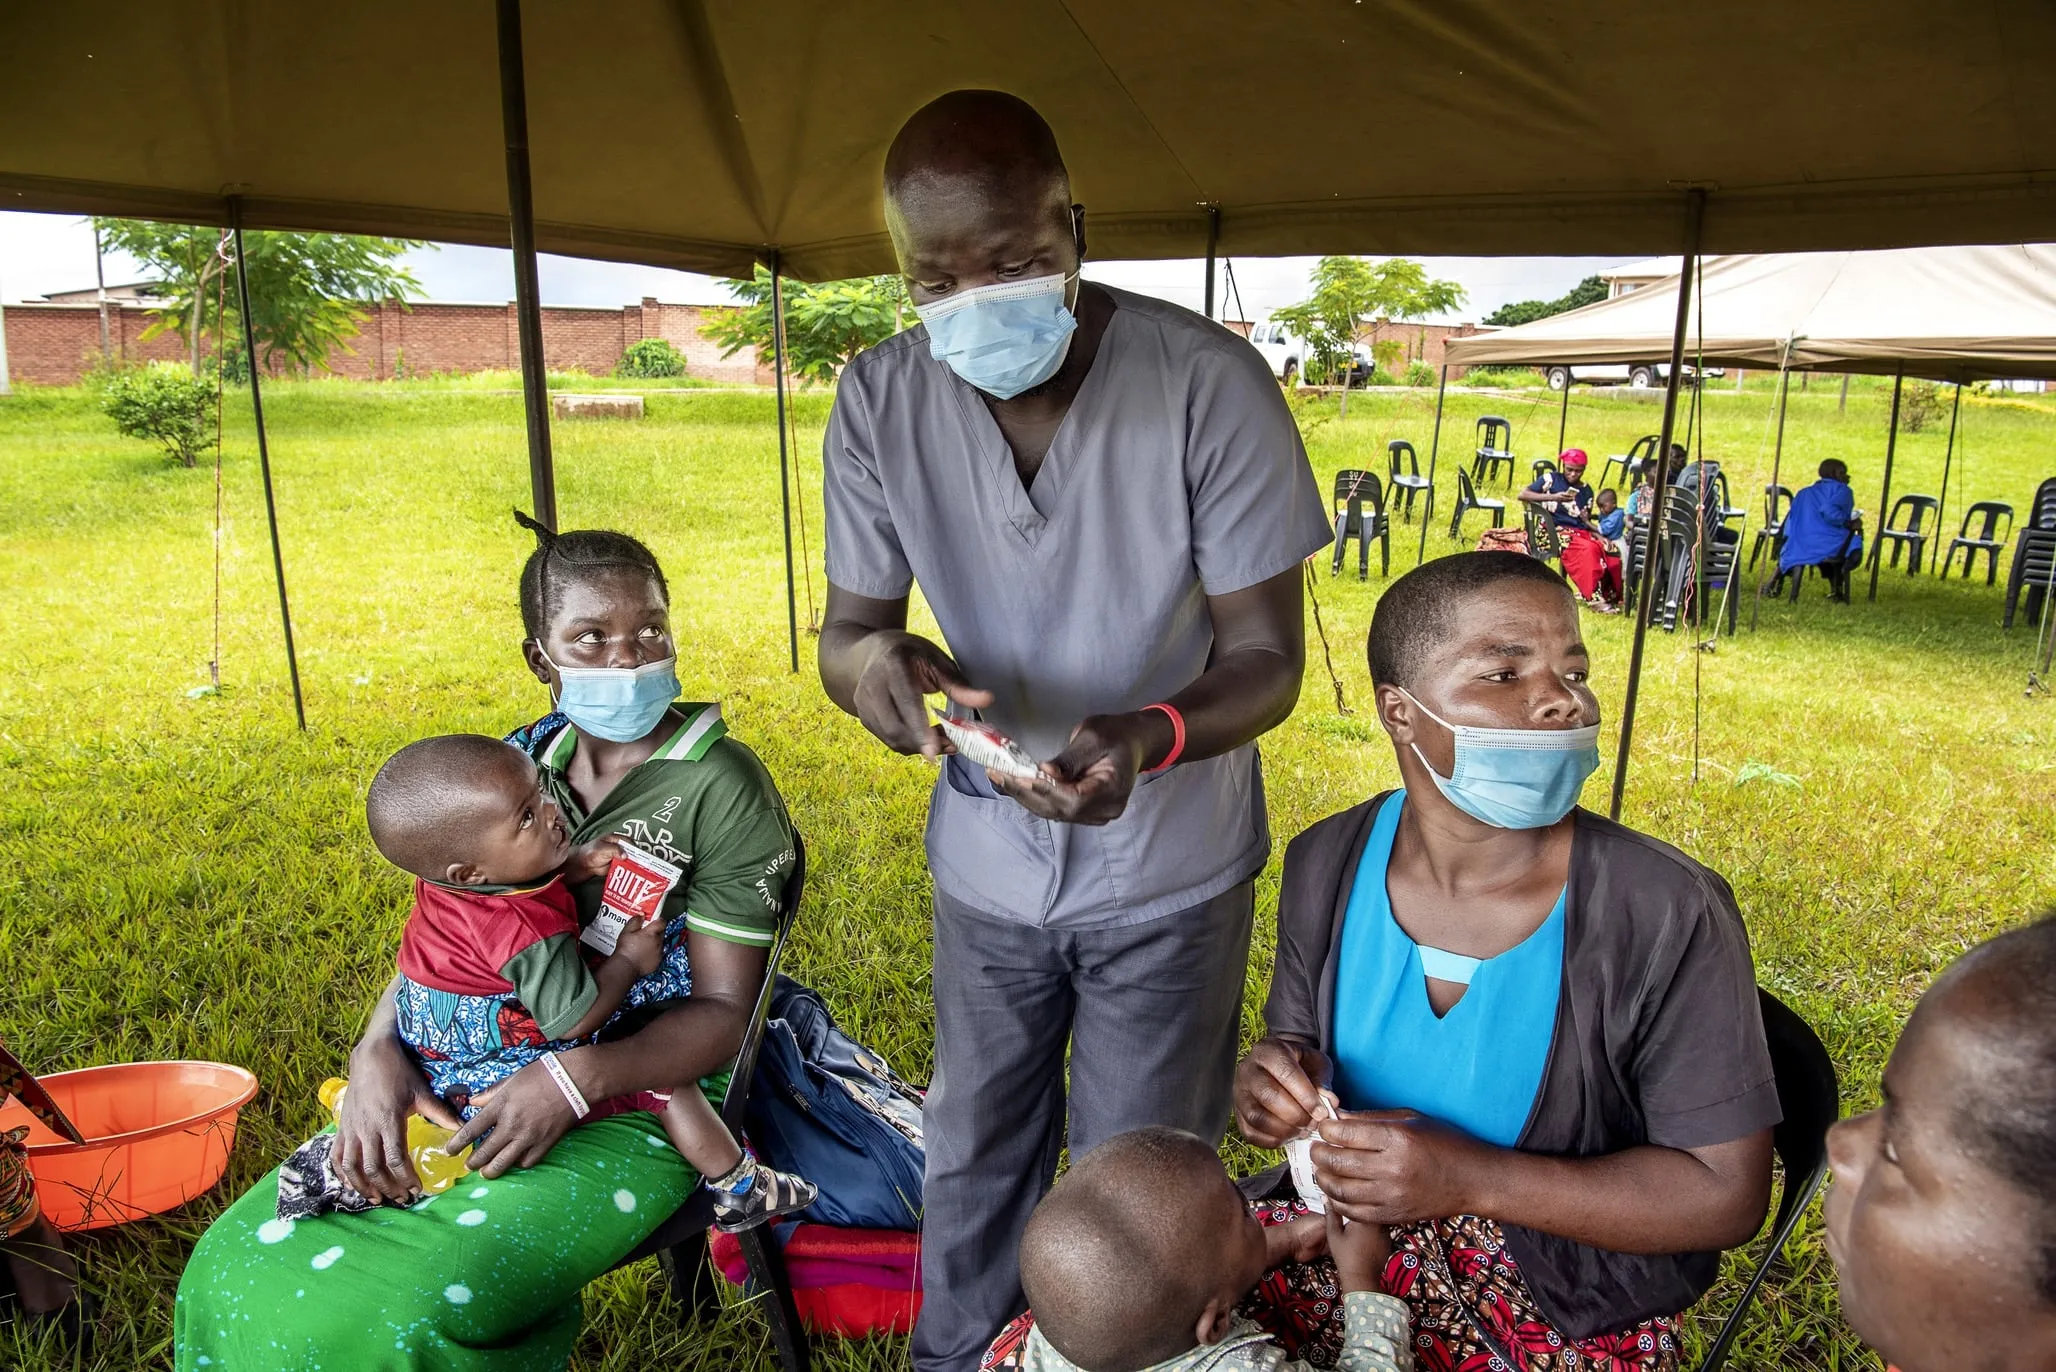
1177,737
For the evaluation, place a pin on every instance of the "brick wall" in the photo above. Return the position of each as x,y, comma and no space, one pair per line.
54,344
1422,342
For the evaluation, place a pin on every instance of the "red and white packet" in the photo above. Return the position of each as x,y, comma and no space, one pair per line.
1299,1153
986,746
637,883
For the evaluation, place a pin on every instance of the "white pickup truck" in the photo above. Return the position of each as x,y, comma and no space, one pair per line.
1286,353
1642,375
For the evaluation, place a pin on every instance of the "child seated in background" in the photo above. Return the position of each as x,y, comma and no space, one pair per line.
1137,1257
493,976
1610,519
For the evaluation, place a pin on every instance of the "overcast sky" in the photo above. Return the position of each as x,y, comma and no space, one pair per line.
41,253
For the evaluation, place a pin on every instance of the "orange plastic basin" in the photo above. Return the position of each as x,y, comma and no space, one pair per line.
157,1135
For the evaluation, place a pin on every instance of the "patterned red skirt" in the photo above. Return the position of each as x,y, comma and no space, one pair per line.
1470,1310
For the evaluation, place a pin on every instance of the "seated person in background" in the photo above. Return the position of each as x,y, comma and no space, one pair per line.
1942,1218
493,976
1543,1026
1609,518
1592,566
1137,1257
1822,529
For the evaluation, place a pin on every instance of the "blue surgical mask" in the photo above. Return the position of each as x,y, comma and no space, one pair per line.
1514,778
1004,338
619,704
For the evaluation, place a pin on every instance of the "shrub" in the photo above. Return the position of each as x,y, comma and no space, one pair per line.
1381,377
1419,373
1502,376
651,357
164,403
1921,405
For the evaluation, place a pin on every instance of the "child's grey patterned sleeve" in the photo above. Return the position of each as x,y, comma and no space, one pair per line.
1376,1335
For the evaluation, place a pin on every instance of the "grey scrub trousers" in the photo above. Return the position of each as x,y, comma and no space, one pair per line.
1178,474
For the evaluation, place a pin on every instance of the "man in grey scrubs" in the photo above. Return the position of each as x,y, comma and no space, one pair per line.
1105,503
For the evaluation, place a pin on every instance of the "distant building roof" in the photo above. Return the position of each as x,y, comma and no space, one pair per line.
132,290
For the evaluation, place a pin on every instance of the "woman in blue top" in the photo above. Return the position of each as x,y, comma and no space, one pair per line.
1822,529
1541,1028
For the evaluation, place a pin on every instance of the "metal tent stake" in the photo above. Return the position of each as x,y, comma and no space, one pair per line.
528,310
1213,243
278,561
1695,201
1434,447
792,614
1948,456
1777,462
1877,538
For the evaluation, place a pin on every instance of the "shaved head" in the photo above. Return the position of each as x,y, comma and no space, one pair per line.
988,136
1121,1257
429,802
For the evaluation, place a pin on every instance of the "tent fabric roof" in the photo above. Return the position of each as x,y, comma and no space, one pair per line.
1954,314
702,133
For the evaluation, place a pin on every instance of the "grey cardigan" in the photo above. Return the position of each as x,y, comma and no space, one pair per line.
1658,1035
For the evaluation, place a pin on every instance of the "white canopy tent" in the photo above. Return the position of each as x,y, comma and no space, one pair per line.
1952,314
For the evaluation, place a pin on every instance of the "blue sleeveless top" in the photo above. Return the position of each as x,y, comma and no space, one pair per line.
1478,1067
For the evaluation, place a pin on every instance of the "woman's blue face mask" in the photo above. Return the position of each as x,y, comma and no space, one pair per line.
1514,778
619,704
1004,338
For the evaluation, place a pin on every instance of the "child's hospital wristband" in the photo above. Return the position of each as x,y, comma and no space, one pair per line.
565,1084
1177,737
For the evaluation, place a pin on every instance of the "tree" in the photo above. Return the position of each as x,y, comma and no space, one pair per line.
1590,291
1349,291
825,325
306,287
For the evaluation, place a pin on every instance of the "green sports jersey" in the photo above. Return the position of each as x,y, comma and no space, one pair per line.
702,802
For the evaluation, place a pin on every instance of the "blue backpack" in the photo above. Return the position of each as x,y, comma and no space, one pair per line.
827,1108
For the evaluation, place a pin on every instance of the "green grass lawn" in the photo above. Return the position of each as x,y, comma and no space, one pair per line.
185,875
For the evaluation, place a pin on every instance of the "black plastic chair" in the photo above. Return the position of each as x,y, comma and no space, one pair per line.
1360,514
1541,465
1908,534
2034,555
1545,538
1988,541
1633,462
680,1242
1777,500
1468,499
1811,1097
1409,481
1495,447
1694,566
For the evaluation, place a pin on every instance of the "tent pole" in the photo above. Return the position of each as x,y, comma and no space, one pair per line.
1777,462
528,310
1213,244
1695,221
1885,496
1434,447
1948,456
1563,416
278,561
792,614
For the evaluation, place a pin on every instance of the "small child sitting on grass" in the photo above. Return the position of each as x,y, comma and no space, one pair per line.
1136,1259
492,974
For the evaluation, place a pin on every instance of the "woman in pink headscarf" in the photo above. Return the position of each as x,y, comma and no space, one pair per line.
1588,560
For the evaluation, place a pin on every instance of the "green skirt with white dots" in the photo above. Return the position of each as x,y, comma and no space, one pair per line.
482,1278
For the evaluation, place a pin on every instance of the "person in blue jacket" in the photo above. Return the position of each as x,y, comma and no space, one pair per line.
1822,529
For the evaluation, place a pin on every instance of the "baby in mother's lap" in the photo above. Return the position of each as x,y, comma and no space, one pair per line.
494,977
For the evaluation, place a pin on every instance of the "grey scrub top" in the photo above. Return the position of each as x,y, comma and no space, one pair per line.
1177,474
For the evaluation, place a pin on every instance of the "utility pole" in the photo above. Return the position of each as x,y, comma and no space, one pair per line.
5,387
100,280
